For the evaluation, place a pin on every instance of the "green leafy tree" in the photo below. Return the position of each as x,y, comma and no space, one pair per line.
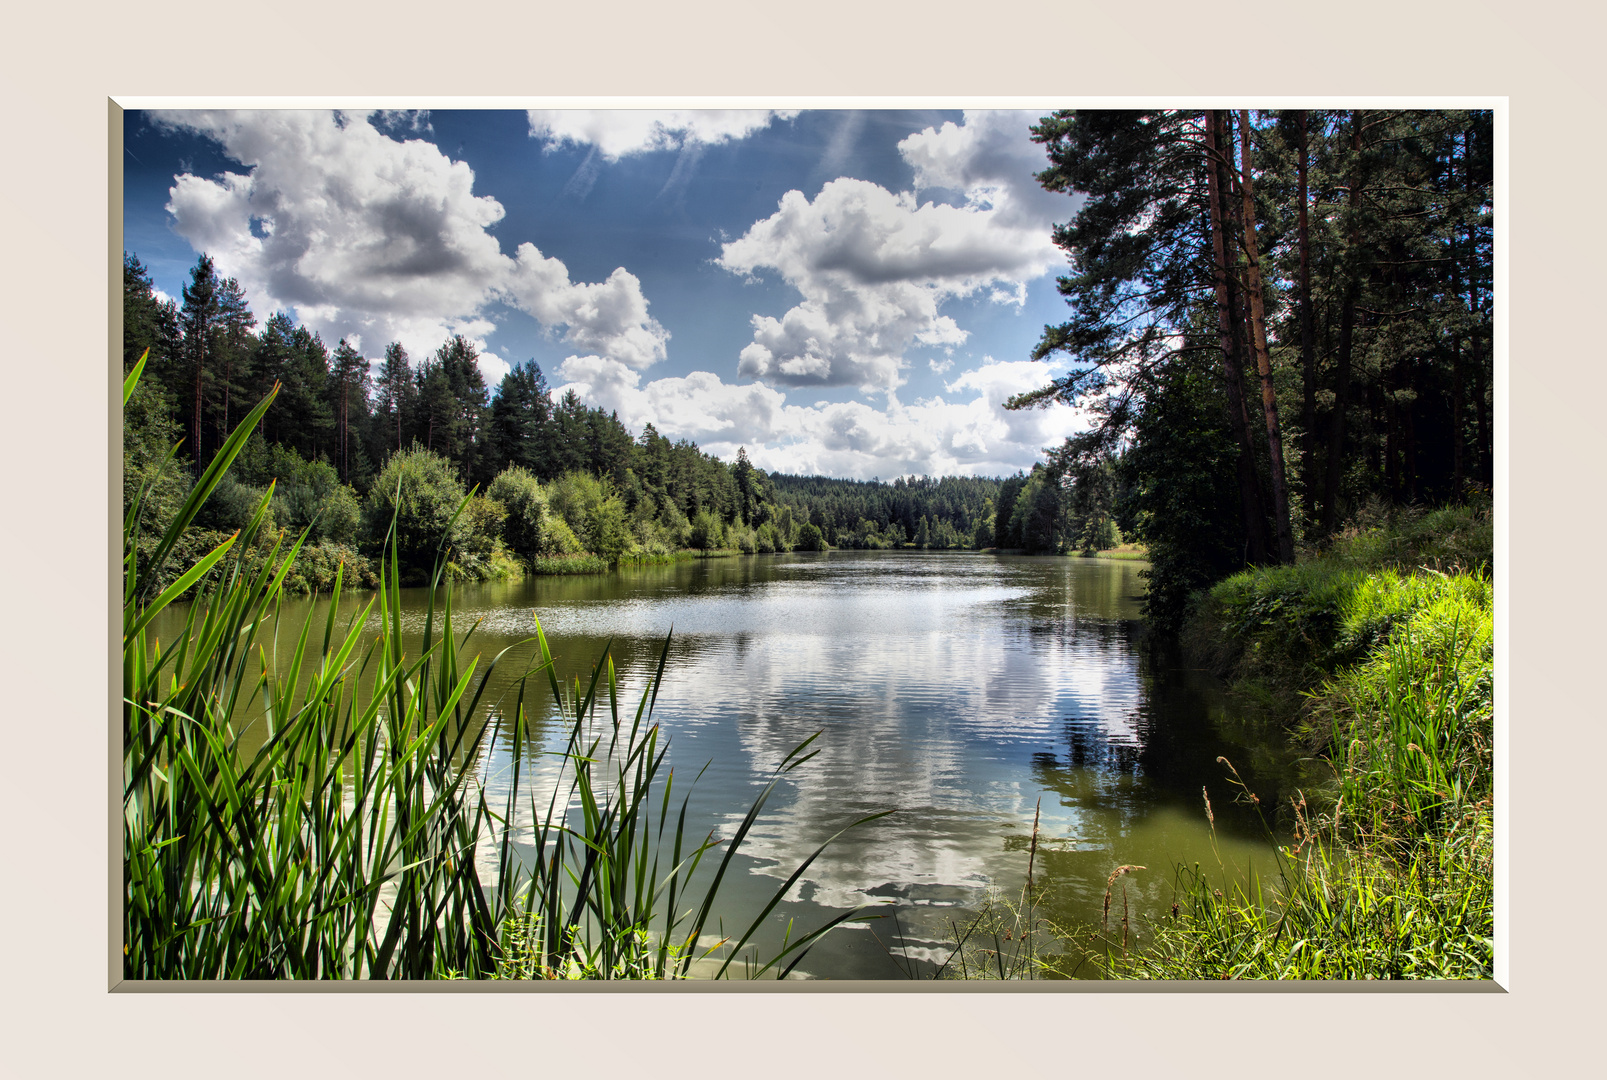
421,488
707,533
525,527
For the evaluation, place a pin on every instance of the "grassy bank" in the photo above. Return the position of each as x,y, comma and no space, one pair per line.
1121,552
1379,655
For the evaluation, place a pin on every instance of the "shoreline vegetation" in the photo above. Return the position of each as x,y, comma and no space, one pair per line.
552,486
1376,657
1281,326
353,842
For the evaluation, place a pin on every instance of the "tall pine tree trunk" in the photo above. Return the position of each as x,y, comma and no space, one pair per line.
1255,518
1308,345
1347,328
1258,343
195,423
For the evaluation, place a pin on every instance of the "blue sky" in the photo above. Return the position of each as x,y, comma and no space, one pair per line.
847,292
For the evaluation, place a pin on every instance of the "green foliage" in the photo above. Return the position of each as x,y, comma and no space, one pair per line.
1295,625
306,494
347,842
149,438
1396,880
520,493
422,491
1037,516
481,556
1099,534
1413,723
1187,503
575,562
707,533
1336,916
810,538
607,530
863,513
1392,871
559,540
1006,525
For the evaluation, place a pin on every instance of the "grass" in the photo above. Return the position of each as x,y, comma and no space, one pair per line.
583,563
1288,628
1379,655
356,840
1121,552
1391,871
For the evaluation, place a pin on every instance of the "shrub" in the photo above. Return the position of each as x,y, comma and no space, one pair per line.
558,539
608,530
707,532
526,504
424,493
232,505
810,538
306,494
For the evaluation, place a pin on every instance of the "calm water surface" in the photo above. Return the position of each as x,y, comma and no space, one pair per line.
961,690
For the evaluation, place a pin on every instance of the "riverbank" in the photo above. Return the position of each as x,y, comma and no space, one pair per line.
1377,655
1134,552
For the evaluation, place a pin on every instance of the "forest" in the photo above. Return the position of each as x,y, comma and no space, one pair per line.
559,487
1277,319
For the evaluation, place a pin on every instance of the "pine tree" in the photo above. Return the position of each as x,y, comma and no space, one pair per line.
198,319
148,323
348,391
395,398
519,416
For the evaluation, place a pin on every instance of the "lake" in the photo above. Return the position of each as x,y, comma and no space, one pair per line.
966,692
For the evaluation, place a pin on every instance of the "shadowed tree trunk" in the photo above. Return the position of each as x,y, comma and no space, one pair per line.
1258,343
1255,518
1308,347
1347,328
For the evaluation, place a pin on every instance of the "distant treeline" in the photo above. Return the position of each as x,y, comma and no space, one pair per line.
556,479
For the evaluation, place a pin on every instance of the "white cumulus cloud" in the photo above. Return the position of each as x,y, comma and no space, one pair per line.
874,266
609,317
616,133
971,436
374,239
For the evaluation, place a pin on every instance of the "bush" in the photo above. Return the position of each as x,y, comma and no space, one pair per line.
608,530
559,540
520,494
707,533
810,538
306,494
232,505
423,491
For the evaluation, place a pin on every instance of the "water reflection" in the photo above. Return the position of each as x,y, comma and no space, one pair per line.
966,692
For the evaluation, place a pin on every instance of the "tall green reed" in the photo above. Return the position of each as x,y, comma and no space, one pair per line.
344,838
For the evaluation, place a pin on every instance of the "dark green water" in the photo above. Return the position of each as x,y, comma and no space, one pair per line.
963,691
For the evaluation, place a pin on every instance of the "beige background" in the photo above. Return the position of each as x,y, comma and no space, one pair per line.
57,1017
